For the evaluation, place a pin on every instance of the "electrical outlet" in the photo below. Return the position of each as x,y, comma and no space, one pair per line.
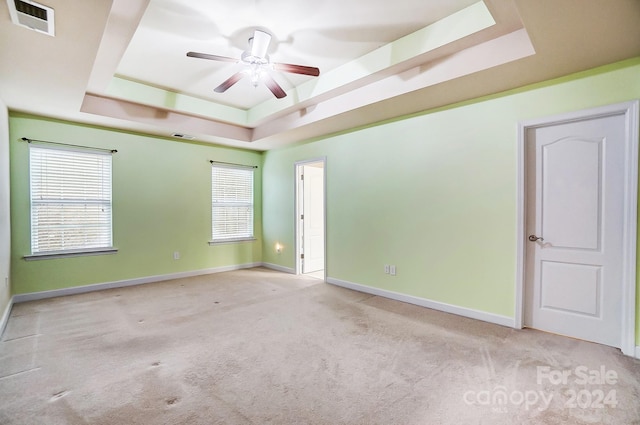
392,270
176,255
386,268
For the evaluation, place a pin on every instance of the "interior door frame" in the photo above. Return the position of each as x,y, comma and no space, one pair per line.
630,111
296,234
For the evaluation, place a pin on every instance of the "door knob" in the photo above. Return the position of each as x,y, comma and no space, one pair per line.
534,238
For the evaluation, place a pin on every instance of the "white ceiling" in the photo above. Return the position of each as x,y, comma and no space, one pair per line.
123,63
333,33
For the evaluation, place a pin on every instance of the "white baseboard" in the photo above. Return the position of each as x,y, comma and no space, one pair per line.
5,316
32,296
423,302
637,352
279,268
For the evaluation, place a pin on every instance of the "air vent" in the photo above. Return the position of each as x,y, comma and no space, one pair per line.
183,136
32,15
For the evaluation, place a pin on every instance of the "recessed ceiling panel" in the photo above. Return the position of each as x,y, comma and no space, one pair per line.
326,35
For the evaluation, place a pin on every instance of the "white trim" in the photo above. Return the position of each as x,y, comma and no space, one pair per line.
279,268
232,240
423,302
521,211
323,159
637,356
70,253
630,110
5,316
32,296
630,222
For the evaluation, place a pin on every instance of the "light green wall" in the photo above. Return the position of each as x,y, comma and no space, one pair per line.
434,194
5,225
162,204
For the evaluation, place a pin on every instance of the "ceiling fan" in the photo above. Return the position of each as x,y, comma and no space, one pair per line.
258,63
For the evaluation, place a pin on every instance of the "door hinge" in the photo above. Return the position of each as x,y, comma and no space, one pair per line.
302,256
301,216
301,176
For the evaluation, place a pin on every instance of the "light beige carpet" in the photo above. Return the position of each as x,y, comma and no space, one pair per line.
261,347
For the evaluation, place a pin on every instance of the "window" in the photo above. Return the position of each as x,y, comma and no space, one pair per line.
70,201
231,203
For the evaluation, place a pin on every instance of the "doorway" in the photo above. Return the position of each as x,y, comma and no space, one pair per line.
577,219
311,218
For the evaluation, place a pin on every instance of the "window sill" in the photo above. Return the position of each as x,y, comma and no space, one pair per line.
227,241
65,254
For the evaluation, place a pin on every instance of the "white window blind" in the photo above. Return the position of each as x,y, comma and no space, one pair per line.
70,200
231,203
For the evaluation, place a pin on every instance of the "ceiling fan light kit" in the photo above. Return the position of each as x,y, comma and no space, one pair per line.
257,63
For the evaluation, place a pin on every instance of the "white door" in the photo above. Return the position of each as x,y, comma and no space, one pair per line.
313,219
575,200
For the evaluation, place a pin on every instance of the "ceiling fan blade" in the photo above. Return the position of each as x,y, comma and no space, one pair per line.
260,44
297,69
211,57
274,86
229,82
